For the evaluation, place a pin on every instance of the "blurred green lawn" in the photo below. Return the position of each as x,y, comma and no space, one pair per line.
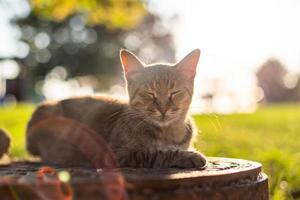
270,136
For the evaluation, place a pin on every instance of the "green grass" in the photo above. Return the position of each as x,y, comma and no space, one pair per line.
14,119
270,136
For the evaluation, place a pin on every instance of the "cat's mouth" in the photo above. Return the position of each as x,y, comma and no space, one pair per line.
162,121
159,120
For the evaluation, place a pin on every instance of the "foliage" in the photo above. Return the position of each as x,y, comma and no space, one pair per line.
111,13
270,136
69,39
278,85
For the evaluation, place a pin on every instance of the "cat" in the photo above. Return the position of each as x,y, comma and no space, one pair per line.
152,130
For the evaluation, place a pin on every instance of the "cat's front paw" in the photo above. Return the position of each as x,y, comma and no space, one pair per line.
189,159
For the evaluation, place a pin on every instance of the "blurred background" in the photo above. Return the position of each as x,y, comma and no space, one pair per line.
247,89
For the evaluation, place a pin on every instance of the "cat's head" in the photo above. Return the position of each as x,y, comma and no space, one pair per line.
160,92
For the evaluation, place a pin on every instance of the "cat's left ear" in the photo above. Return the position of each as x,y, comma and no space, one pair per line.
187,66
130,62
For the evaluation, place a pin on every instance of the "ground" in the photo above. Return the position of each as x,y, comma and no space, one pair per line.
270,136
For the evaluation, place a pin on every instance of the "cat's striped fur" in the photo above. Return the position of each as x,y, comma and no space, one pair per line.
152,130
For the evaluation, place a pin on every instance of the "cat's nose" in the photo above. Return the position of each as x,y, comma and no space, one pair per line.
162,110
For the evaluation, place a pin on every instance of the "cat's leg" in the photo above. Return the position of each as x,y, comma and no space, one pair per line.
162,158
66,142
56,151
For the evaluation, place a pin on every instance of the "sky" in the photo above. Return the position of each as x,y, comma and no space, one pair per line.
237,33
9,34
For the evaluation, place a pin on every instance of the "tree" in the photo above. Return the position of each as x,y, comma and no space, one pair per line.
271,79
85,37
296,90
113,14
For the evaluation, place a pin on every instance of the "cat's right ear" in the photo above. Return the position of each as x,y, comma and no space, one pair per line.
187,66
130,62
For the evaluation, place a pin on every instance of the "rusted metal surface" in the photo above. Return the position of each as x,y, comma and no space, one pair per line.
223,179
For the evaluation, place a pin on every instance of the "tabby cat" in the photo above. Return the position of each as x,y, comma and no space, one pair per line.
152,130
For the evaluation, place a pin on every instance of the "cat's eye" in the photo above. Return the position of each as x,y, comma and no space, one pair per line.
172,94
152,95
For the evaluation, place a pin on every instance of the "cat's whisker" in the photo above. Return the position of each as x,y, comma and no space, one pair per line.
208,117
127,117
114,114
139,124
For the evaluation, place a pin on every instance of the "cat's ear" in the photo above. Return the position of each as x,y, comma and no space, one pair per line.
130,62
187,66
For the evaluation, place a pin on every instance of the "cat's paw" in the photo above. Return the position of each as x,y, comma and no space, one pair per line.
190,159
